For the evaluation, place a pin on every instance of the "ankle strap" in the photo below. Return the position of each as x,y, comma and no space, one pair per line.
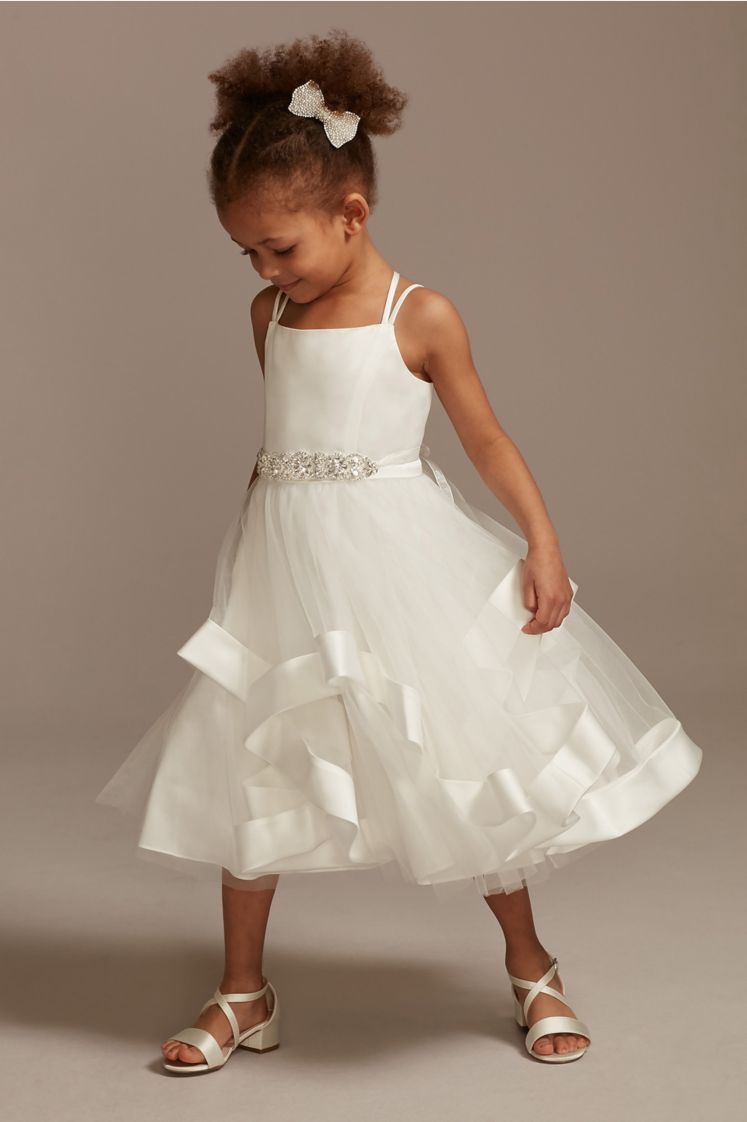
244,996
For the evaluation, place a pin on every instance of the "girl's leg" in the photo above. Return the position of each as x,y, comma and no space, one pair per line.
527,958
245,915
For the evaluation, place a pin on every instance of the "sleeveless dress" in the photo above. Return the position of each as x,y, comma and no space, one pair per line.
362,695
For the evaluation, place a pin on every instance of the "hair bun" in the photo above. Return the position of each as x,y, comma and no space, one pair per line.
341,65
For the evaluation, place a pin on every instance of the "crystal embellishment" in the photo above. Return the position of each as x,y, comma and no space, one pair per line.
302,463
340,125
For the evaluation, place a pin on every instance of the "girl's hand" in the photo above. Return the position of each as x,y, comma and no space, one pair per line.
545,589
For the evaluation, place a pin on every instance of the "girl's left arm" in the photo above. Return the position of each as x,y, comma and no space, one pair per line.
546,590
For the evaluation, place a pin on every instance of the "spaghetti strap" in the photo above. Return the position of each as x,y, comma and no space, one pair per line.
398,305
390,296
275,313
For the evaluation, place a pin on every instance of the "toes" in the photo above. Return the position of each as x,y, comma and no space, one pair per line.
562,1043
172,1047
184,1053
191,1055
567,1042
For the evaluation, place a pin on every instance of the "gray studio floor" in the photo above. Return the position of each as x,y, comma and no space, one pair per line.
395,1005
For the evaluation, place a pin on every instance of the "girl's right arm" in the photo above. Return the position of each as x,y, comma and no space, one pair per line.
261,312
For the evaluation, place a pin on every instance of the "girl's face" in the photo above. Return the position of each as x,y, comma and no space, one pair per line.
303,253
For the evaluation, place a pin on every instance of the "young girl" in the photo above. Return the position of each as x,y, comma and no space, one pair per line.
389,678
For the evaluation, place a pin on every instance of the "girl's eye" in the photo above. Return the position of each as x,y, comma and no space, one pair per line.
280,252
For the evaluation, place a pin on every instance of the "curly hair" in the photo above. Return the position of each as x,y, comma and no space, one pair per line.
264,149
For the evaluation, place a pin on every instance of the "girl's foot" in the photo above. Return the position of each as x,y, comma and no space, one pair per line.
213,1019
532,965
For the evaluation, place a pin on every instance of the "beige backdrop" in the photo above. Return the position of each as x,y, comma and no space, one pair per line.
572,176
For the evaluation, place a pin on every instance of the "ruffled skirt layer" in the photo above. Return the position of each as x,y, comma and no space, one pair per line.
363,697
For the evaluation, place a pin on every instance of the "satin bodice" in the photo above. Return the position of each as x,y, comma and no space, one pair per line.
343,388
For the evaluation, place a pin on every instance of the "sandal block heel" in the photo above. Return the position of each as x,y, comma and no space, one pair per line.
266,1036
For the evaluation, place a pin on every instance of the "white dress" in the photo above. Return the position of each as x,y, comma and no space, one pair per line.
362,694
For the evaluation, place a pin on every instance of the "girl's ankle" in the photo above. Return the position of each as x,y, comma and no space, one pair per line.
528,953
247,983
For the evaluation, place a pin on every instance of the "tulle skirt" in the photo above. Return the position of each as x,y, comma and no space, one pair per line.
363,697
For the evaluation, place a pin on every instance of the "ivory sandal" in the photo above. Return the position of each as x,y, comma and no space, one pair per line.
547,1025
258,1038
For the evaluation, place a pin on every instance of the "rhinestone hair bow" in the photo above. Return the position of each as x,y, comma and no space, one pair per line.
340,125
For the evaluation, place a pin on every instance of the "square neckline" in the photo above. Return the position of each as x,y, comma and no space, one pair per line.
311,330
362,327
383,322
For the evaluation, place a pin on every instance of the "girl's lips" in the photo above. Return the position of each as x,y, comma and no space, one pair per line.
286,287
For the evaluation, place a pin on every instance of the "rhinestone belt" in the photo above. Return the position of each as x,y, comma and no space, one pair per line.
302,463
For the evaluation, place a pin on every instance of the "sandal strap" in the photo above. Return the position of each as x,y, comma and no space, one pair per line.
246,996
205,1041
222,999
540,986
547,1025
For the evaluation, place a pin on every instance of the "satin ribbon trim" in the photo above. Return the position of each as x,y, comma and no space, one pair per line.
557,812
294,790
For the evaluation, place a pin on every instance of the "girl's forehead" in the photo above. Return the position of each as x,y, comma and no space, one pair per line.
266,226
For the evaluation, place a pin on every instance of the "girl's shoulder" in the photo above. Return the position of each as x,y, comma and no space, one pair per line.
260,312
428,325
261,307
427,305
428,322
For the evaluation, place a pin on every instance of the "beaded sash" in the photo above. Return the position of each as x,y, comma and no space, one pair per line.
302,463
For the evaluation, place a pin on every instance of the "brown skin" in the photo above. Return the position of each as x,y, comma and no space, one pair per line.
341,278
342,281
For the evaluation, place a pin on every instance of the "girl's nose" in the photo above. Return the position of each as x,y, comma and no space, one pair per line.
267,273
